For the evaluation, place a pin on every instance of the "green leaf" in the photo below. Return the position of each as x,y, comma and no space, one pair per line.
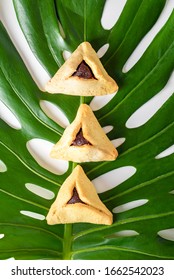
50,27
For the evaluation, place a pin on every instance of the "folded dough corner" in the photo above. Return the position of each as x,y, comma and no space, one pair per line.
77,201
84,140
82,74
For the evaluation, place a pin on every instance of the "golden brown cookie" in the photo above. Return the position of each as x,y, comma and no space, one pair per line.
77,201
84,140
82,74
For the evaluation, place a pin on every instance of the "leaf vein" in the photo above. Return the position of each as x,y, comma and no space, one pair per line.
101,248
121,222
32,227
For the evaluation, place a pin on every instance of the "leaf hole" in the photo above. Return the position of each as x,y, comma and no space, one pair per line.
2,235
172,192
40,191
99,102
62,32
66,54
3,167
167,234
111,13
7,116
129,205
54,112
108,128
148,110
113,178
33,215
118,142
123,233
40,150
169,151
101,52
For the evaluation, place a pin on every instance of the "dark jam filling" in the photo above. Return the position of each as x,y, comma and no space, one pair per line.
80,140
84,71
75,198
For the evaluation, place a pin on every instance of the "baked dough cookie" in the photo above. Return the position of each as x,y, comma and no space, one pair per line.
77,201
84,140
82,74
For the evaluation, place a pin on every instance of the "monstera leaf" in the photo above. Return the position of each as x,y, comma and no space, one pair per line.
142,205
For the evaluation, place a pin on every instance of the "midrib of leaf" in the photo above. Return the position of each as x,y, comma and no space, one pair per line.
85,21
121,222
67,243
139,84
28,167
139,186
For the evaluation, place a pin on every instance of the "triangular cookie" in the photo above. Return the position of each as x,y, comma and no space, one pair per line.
77,201
82,74
84,140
